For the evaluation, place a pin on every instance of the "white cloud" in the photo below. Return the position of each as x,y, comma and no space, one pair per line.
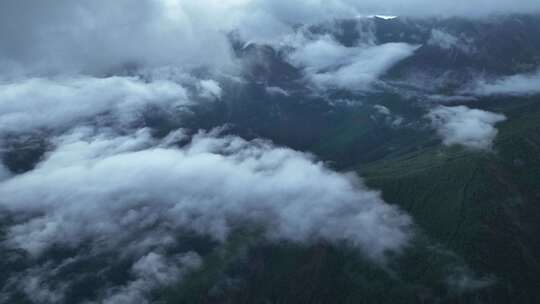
391,119
113,188
447,41
149,271
132,195
100,36
382,110
35,286
451,98
56,103
367,66
463,280
328,64
321,54
276,91
461,125
210,89
152,271
442,39
516,85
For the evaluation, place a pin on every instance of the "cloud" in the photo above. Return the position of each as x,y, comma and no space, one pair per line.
264,20
33,283
382,110
442,39
210,89
43,103
449,99
134,194
99,36
153,271
461,125
99,190
464,281
330,65
122,185
276,91
321,53
447,41
393,120
46,284
516,85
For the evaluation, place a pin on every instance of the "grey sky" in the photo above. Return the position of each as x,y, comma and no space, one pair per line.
96,36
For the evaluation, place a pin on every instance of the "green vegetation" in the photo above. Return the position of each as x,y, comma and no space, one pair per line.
477,213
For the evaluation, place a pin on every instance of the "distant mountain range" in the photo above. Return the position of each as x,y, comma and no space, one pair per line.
441,115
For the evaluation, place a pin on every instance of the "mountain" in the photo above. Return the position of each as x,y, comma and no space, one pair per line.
478,212
474,197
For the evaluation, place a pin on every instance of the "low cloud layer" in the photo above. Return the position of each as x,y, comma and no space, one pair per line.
330,65
133,194
42,103
115,182
516,85
152,271
461,125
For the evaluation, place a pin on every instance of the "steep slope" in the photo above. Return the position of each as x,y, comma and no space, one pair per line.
482,206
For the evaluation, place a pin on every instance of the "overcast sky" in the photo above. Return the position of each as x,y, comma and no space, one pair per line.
99,35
